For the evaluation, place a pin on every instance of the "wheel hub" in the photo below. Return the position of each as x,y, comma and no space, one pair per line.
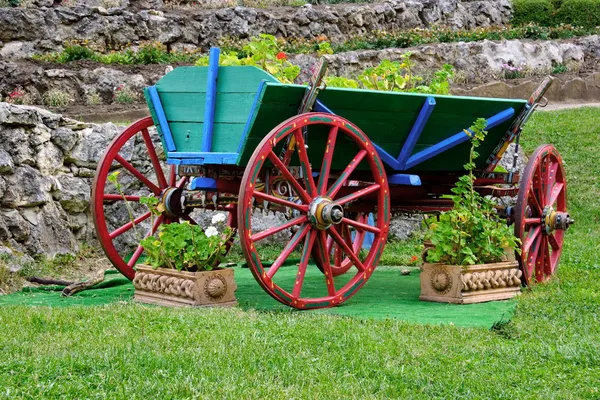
172,202
554,220
323,212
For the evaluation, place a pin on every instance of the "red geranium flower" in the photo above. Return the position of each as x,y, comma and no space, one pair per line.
414,259
281,56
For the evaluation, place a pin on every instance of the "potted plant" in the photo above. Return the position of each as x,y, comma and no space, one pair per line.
182,265
470,257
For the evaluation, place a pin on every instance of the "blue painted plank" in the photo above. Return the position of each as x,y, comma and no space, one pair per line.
162,119
203,183
211,97
415,132
388,159
455,140
404,179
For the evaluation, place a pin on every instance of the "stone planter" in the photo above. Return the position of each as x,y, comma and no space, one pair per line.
472,284
169,287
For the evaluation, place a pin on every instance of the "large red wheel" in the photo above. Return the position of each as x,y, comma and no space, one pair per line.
541,216
319,211
119,219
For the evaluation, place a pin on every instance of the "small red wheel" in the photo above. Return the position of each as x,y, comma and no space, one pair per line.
123,207
319,211
354,238
541,216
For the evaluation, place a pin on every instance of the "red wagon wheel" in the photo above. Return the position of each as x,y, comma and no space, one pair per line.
105,195
319,212
541,216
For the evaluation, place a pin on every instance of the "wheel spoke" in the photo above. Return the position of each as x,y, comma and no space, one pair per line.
531,238
540,189
358,194
541,260
532,257
535,202
181,182
140,249
346,174
129,225
155,189
298,236
172,175
360,225
553,242
113,197
162,182
546,266
288,176
327,158
326,265
305,163
271,231
277,200
553,195
309,242
533,221
349,252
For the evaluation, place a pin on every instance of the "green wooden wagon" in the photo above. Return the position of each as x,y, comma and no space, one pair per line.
235,139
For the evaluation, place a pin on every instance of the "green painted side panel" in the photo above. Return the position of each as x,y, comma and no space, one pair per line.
189,107
387,119
183,92
188,136
230,79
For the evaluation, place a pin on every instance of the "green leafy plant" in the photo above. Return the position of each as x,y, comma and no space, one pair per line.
187,247
559,69
470,233
123,94
397,76
264,51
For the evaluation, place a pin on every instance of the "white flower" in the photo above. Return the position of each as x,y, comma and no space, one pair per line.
211,231
218,218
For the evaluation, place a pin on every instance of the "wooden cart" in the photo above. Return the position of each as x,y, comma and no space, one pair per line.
236,139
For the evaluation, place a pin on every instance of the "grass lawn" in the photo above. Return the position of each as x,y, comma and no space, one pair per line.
550,349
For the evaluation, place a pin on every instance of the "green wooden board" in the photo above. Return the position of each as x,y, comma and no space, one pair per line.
386,118
183,93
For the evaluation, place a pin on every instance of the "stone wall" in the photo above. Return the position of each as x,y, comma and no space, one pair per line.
46,166
27,31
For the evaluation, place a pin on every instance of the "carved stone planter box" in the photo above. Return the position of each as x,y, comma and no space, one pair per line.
169,287
472,284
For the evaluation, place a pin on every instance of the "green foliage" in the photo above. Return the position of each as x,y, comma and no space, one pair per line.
470,233
186,247
537,11
396,76
584,13
559,69
264,51
123,94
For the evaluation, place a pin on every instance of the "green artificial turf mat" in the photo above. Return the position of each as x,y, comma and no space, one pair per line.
388,294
